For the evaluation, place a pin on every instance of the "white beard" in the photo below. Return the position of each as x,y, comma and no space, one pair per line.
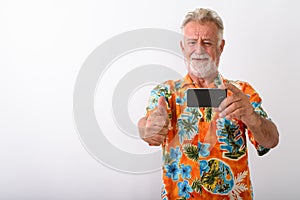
202,69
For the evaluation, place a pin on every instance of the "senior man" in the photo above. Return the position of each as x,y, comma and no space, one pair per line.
204,149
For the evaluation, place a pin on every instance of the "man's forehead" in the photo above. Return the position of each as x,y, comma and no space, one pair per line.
195,30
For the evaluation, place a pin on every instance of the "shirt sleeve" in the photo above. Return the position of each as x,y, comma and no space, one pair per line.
160,90
256,102
165,90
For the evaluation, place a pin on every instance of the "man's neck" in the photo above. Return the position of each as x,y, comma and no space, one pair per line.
203,82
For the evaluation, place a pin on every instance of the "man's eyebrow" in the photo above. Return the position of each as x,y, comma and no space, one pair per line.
193,39
208,39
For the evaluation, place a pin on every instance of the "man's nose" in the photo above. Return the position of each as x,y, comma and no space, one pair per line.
199,49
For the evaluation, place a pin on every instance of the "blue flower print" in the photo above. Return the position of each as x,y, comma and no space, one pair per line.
173,171
203,167
175,153
180,101
222,123
193,112
203,149
184,189
185,171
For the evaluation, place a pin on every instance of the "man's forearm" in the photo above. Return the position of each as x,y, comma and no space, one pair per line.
264,132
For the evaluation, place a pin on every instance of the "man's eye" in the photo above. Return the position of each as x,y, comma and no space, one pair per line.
207,44
192,43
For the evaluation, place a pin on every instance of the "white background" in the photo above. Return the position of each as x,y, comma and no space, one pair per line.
43,45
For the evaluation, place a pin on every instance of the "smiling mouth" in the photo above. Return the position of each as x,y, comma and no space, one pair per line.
200,59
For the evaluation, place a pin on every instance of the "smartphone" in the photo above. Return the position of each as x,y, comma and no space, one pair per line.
205,97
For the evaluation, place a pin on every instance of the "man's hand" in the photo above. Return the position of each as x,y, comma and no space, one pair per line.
154,128
238,105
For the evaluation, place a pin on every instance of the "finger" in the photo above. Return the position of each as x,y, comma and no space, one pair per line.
228,101
151,141
153,130
232,88
161,106
158,138
155,140
154,143
230,109
164,131
157,120
238,113
157,125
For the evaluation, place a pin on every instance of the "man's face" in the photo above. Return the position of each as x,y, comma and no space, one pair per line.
201,49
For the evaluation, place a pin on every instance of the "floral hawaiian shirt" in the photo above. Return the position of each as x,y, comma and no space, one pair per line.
204,156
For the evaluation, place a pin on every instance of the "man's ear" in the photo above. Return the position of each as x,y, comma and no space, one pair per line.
222,46
181,46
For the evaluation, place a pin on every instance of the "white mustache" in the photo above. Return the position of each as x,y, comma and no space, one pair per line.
202,56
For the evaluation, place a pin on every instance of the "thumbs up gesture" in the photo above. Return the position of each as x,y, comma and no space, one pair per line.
154,128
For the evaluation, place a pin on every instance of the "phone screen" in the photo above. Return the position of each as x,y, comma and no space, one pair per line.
205,97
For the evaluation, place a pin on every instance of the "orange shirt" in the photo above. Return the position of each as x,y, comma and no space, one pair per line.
204,156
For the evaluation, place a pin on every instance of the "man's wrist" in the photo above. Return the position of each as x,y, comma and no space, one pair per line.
255,121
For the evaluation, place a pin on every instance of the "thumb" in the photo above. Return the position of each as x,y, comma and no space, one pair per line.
161,106
142,126
142,122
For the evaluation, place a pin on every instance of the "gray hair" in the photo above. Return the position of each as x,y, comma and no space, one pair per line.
205,15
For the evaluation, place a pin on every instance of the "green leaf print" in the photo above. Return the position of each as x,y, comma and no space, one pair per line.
191,152
196,185
208,114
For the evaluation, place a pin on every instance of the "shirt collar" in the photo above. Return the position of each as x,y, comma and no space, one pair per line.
188,82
